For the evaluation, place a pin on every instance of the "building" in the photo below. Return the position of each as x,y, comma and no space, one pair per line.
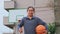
47,10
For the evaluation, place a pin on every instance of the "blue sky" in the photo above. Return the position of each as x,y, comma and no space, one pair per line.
3,12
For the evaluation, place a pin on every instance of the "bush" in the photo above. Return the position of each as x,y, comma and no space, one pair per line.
52,28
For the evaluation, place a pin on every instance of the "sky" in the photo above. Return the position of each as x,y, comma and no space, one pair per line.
3,12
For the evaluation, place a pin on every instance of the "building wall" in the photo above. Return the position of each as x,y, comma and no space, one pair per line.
44,9
57,16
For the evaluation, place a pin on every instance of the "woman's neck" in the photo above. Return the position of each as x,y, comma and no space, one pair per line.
30,17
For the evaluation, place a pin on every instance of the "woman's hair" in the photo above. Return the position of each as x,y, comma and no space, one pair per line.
31,7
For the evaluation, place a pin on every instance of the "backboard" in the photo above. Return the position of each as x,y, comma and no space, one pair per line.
17,14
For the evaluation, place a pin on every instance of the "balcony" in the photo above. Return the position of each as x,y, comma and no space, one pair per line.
9,4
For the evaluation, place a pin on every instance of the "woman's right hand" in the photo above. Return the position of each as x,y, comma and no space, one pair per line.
20,30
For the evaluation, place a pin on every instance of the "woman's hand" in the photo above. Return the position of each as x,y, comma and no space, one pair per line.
20,30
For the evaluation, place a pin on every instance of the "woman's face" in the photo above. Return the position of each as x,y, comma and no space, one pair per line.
30,12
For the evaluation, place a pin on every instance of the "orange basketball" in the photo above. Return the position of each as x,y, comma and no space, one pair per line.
40,29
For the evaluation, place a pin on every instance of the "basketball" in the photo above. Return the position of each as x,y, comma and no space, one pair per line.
40,29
